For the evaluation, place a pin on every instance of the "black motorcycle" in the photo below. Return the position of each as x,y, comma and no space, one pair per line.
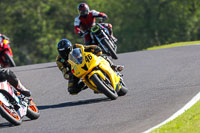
101,36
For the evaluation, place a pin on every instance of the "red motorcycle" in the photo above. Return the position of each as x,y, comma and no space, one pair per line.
6,55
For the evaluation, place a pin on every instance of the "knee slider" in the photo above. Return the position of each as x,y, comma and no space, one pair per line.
72,91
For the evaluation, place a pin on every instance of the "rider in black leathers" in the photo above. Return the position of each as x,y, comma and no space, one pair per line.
64,48
9,75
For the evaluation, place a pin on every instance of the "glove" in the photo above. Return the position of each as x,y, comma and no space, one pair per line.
97,51
66,76
105,17
80,33
66,72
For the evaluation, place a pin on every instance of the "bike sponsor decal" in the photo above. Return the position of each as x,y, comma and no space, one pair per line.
62,60
100,58
77,73
74,69
95,28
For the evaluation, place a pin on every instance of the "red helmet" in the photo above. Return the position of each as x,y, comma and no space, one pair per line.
83,9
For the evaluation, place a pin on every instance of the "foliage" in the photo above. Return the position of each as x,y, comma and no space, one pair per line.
35,26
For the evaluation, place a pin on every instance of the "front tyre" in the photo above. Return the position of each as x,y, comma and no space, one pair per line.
9,60
32,111
103,87
123,89
112,52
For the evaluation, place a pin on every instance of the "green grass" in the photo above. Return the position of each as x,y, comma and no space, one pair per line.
188,122
174,45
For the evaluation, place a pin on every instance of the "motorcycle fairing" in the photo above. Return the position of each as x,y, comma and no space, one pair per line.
92,62
7,90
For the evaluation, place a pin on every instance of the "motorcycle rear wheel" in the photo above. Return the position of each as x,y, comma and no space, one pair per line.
103,87
10,114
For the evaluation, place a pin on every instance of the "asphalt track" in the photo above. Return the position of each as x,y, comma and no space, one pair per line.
160,82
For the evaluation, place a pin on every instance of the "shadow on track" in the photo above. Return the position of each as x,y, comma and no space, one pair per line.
6,124
73,103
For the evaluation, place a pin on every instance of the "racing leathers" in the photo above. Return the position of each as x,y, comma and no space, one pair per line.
84,23
74,83
4,36
7,74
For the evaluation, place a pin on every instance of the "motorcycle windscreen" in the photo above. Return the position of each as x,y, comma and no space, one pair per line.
77,55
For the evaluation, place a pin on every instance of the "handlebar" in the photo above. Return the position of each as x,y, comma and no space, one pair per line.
85,33
101,20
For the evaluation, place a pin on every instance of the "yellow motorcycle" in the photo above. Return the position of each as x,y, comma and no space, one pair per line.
96,73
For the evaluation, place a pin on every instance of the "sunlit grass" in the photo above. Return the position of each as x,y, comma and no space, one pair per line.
174,45
188,122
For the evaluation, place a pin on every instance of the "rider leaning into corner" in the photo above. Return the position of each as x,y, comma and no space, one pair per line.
9,75
86,19
4,36
64,48
6,74
4,39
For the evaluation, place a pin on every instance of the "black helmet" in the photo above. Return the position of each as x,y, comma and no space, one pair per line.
64,47
83,9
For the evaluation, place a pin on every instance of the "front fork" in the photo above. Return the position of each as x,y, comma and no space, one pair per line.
23,105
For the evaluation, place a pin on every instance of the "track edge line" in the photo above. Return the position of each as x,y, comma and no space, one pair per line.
181,111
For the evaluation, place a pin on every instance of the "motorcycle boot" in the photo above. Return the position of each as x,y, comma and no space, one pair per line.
114,38
75,86
96,92
117,68
23,89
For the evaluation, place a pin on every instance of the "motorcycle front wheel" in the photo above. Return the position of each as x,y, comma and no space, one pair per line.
103,87
112,52
9,60
123,90
32,111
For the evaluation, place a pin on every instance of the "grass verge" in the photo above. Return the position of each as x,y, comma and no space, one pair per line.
188,122
174,45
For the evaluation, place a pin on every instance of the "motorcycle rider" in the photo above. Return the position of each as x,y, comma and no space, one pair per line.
3,40
86,20
4,36
9,75
64,47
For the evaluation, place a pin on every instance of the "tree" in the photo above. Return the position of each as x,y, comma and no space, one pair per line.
35,26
